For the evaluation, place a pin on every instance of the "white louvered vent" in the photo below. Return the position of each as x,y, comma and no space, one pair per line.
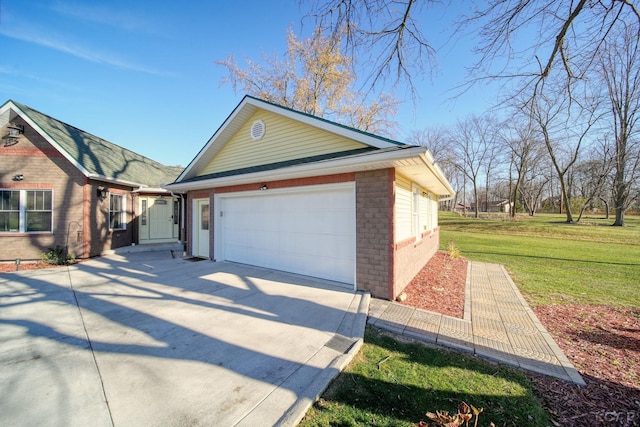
258,129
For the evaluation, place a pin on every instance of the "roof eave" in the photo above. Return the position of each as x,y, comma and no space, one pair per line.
116,181
395,159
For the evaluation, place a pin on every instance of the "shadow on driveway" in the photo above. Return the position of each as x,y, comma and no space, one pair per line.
150,340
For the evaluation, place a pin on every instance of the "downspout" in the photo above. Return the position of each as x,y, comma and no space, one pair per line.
182,233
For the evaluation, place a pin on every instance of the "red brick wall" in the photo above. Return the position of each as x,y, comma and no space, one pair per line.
410,256
42,168
100,238
286,183
374,231
78,222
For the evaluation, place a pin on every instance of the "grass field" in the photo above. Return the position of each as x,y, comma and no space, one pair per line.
555,262
390,383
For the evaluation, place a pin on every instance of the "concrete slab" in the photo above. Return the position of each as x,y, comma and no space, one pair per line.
146,339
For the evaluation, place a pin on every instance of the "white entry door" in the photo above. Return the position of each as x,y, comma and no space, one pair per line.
161,218
306,230
201,228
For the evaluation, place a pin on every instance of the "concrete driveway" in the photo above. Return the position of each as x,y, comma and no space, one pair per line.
148,340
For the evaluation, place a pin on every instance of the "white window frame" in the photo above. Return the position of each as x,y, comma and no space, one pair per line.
415,212
123,211
23,209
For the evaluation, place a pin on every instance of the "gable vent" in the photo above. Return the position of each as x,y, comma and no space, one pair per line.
258,129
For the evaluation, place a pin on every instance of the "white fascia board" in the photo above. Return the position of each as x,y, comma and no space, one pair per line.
427,158
152,190
329,167
205,150
115,181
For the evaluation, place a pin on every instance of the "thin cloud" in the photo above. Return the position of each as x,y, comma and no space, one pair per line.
86,54
104,16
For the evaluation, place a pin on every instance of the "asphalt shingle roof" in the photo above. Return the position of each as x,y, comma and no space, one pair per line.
100,157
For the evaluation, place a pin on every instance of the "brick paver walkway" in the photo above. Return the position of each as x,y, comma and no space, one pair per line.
498,324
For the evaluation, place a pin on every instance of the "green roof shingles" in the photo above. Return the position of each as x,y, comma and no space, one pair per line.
101,158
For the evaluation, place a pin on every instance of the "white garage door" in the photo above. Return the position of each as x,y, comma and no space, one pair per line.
307,230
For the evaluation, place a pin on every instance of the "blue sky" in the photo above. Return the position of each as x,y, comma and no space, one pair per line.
142,74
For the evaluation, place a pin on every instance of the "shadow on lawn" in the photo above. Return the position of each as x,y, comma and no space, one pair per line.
401,381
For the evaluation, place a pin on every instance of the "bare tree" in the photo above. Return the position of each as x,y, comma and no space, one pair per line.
533,184
564,124
592,176
382,33
316,78
387,35
472,142
438,142
572,33
525,151
620,68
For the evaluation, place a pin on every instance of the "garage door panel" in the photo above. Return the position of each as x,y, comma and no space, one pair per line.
308,232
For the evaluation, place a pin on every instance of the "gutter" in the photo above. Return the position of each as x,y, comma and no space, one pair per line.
326,167
363,162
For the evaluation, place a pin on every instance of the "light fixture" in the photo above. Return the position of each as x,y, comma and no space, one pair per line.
11,138
15,130
103,192
264,187
18,177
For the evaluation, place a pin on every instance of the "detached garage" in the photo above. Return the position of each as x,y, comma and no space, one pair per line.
281,189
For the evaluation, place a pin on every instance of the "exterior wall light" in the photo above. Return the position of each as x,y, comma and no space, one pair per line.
264,187
11,138
103,193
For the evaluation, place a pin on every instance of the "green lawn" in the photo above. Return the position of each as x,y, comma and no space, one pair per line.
554,262
390,383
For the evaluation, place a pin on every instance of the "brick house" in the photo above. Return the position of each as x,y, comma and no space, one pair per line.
63,187
281,189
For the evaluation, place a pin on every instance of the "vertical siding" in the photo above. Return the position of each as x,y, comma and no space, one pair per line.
284,139
403,202
425,217
433,200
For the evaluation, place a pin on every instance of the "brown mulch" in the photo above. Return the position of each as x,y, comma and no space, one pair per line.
602,343
11,266
439,286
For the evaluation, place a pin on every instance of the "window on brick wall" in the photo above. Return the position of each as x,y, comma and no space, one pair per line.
26,211
116,212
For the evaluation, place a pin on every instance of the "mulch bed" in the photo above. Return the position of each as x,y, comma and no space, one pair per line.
602,343
439,286
11,266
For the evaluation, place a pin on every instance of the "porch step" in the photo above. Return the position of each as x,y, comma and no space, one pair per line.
147,247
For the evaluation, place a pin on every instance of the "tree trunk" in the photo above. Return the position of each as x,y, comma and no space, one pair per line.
606,207
620,191
566,200
619,222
